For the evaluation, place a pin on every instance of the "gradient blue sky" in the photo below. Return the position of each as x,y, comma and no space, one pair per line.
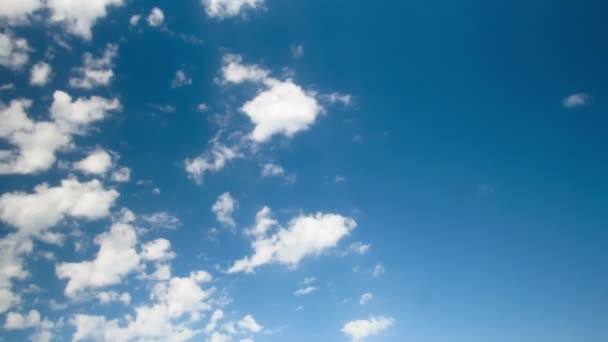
469,147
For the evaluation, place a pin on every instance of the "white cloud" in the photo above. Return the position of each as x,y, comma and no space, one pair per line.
285,108
181,79
229,8
223,209
344,99
121,175
107,297
17,12
157,250
263,222
17,321
359,248
576,100
340,179
249,323
156,17
116,258
161,220
234,71
305,291
297,51
95,72
378,270
79,16
134,20
40,74
13,248
76,116
211,161
183,295
272,170
306,235
13,51
366,298
361,329
97,162
215,318
218,337
37,142
35,212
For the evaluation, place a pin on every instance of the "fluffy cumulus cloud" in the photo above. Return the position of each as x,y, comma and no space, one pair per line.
229,8
117,257
360,329
305,235
40,74
282,108
94,71
97,162
36,142
223,209
33,213
161,320
14,52
78,16
156,17
17,12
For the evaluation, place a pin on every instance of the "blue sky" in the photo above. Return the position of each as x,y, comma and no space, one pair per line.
265,170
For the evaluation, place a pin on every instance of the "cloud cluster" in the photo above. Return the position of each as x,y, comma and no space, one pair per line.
36,142
95,72
14,52
77,16
222,9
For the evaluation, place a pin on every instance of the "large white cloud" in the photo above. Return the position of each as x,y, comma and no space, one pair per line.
229,8
360,329
33,213
117,257
13,51
79,16
17,12
95,72
305,235
162,320
36,142
282,108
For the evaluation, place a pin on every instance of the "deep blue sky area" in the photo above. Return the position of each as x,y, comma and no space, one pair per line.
467,140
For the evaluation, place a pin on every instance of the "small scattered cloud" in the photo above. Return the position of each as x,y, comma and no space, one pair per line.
378,270
156,18
40,74
222,9
577,100
297,51
366,298
181,79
